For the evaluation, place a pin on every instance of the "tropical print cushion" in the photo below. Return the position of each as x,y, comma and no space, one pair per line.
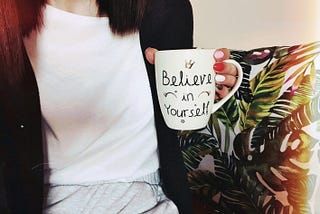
260,153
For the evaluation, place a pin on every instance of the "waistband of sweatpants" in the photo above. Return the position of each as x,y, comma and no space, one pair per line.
151,178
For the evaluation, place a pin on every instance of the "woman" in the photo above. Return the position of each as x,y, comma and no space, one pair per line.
69,105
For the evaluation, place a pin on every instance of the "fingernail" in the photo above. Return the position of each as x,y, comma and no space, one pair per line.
148,54
218,66
220,78
219,86
218,54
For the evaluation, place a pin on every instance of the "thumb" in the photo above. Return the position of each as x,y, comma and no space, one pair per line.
150,54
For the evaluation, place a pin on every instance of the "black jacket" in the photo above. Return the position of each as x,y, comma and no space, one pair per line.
168,24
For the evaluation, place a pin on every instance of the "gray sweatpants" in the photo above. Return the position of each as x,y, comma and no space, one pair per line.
144,195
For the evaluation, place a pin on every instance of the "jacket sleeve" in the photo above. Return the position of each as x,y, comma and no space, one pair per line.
169,25
4,142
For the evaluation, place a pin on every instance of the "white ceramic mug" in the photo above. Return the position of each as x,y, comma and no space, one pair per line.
186,87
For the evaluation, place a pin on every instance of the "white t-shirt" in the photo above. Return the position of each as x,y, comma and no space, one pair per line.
96,103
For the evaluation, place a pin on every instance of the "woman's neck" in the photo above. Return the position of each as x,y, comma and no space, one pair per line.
80,7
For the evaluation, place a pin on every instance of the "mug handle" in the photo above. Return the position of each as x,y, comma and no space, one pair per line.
217,105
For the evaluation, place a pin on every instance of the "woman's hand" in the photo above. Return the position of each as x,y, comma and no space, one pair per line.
225,72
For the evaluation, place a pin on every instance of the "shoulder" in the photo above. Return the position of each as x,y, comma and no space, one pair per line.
169,2
168,24
162,7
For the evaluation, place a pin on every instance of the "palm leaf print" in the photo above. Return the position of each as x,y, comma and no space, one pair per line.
264,143
203,183
290,147
293,97
244,92
266,85
228,115
195,146
250,143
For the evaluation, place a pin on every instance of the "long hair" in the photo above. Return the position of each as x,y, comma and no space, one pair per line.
12,53
125,16
20,17
30,14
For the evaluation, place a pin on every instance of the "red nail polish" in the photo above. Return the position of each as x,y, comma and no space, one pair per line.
218,66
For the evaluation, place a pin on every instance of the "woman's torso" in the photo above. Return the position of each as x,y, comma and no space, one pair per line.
95,100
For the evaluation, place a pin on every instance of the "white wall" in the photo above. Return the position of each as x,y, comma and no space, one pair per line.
244,24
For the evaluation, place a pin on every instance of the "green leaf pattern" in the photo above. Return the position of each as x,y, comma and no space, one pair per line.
260,152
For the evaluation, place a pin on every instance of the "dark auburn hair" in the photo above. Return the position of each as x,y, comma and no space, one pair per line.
20,17
12,52
125,16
